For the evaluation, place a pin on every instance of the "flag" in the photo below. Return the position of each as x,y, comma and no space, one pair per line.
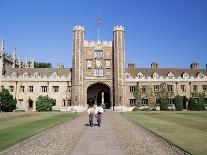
99,21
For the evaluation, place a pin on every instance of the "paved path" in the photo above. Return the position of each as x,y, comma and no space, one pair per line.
99,140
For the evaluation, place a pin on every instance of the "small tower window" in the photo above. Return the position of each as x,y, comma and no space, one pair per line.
98,54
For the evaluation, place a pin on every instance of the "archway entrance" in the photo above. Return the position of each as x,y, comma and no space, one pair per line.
99,93
30,104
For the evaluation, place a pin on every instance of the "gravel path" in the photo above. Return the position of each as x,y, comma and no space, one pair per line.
137,140
60,139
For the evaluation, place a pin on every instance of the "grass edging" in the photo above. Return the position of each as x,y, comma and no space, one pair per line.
36,131
157,135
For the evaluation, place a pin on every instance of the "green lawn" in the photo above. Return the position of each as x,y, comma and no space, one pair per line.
15,127
185,129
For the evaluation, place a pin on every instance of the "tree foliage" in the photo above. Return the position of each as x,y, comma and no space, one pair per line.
137,95
7,102
164,104
164,97
151,96
197,102
44,103
42,65
179,102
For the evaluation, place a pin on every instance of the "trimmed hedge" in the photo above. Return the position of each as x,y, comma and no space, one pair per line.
196,104
179,102
164,104
44,103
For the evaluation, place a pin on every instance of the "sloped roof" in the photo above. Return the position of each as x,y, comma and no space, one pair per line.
164,71
41,71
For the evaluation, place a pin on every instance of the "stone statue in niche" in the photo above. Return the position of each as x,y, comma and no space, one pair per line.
98,64
89,64
108,63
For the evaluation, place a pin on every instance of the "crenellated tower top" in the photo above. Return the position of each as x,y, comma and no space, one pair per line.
78,27
2,45
118,28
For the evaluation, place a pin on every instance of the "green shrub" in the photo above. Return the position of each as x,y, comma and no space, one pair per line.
164,104
7,102
178,103
196,104
136,109
44,103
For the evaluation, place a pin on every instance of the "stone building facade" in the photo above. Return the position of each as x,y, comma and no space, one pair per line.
98,73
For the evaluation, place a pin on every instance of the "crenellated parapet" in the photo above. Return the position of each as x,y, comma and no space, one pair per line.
78,28
93,43
118,28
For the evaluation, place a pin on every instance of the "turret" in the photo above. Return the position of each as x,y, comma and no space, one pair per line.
20,62
77,66
2,46
118,65
32,65
14,58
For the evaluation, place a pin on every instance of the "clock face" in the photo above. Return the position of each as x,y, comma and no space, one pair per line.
98,64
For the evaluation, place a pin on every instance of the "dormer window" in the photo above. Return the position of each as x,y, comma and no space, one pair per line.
170,75
54,75
185,75
200,75
140,75
36,74
14,74
25,75
127,76
155,75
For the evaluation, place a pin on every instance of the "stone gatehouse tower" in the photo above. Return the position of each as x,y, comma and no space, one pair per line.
98,69
97,74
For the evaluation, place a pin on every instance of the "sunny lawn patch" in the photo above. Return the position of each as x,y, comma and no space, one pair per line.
185,129
16,127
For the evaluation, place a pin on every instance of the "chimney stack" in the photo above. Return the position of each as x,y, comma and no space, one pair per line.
131,65
194,65
60,66
154,65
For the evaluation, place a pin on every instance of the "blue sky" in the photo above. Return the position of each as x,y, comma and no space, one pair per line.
171,32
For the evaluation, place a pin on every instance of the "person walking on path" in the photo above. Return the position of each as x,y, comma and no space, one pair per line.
98,113
91,112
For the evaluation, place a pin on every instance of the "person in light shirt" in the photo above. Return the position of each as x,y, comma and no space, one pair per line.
98,113
91,112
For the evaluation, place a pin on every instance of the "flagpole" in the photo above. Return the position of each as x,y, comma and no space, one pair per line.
98,28
98,32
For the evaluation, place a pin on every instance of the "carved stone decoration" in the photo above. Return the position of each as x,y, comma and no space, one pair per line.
98,63
108,64
88,64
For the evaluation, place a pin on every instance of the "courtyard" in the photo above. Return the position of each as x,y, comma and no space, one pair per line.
68,133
